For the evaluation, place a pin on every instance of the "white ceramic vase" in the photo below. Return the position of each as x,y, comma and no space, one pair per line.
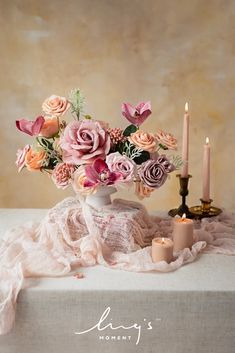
102,197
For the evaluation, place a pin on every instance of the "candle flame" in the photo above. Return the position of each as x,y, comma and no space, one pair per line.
207,141
163,240
183,217
186,107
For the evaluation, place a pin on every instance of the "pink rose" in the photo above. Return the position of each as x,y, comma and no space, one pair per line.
121,164
62,175
20,161
136,115
55,106
84,141
166,140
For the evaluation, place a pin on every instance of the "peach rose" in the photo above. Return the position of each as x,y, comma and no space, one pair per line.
79,177
142,190
167,140
55,106
34,159
50,128
144,140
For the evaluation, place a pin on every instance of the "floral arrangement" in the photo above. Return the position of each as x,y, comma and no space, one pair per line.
88,153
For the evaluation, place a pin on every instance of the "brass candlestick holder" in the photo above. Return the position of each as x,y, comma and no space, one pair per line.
183,208
205,210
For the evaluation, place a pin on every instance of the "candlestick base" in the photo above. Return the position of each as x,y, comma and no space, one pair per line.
204,210
183,208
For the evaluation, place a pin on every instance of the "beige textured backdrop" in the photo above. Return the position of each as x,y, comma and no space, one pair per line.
121,50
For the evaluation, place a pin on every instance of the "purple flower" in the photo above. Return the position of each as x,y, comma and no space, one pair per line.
99,174
166,164
136,115
152,174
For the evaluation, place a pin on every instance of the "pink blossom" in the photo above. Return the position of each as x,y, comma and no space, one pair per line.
116,135
84,141
62,175
121,164
136,115
29,127
20,161
99,174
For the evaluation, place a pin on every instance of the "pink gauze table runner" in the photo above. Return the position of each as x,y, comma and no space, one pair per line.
73,234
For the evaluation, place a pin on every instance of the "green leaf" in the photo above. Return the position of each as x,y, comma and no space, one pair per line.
130,130
142,158
163,147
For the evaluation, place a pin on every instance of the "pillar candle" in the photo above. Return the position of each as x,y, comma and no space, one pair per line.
162,250
185,143
206,171
182,233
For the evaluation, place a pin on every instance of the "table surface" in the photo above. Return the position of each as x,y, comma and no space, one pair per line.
207,273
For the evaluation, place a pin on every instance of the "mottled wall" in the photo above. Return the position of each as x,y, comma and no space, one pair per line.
121,50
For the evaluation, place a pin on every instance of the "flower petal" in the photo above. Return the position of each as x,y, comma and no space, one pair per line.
29,127
99,165
128,110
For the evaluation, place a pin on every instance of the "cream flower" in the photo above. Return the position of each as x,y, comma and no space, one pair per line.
144,140
55,106
79,177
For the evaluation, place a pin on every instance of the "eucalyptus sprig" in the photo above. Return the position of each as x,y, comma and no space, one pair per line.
135,153
176,161
77,101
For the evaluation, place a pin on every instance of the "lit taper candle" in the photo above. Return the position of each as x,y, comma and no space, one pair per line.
185,143
206,171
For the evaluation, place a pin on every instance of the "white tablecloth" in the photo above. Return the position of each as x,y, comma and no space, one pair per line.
191,310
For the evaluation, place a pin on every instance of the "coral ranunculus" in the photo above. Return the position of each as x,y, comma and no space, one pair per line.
144,140
55,106
84,141
50,128
34,159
